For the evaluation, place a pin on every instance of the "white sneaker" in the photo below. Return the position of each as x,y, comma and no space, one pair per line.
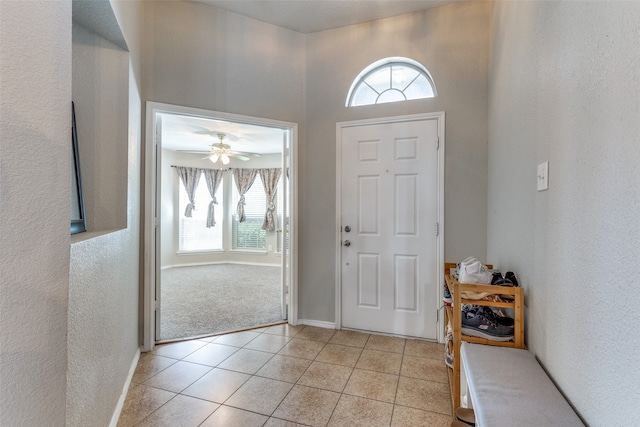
468,261
475,272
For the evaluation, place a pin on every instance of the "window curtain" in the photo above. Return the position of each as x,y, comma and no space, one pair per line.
213,177
270,178
190,178
244,179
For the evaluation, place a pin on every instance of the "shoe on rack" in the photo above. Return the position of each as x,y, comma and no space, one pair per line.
477,322
447,299
465,262
466,415
498,316
498,280
474,272
512,277
448,347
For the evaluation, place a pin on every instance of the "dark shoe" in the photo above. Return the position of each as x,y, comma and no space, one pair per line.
447,299
512,277
477,322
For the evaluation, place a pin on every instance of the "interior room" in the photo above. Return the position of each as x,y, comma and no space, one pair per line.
219,274
519,83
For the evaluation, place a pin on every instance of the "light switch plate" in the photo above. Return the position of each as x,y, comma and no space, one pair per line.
543,176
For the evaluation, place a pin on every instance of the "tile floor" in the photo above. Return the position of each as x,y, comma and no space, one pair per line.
291,376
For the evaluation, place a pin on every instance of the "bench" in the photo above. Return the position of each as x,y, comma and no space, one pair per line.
507,387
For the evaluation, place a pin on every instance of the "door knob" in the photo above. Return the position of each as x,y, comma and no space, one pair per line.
347,243
347,228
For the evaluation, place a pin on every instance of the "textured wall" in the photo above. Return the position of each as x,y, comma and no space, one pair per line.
564,88
452,42
104,275
35,132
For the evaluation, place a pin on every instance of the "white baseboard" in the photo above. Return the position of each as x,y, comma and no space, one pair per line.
317,323
123,396
195,264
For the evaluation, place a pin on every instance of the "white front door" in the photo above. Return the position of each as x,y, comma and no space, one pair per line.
389,201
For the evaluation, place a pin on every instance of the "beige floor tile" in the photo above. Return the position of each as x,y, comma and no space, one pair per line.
326,376
316,334
350,338
217,385
426,395
245,360
385,343
237,339
178,350
277,422
178,376
261,395
339,355
372,385
411,417
141,401
211,354
355,411
309,406
284,330
268,343
226,416
380,361
424,368
305,349
421,348
149,365
284,368
181,411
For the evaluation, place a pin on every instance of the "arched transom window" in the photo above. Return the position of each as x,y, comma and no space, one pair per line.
391,80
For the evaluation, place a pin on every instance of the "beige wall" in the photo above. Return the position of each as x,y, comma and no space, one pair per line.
35,136
452,42
564,88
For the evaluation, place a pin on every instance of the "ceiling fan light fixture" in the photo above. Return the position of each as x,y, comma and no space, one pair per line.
225,159
214,157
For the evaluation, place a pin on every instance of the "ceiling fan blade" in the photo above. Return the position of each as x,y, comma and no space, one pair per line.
238,156
193,151
245,153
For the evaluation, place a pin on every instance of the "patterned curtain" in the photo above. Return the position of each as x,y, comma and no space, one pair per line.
244,179
213,177
190,178
270,178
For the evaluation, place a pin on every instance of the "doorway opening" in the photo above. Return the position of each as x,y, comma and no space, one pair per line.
219,224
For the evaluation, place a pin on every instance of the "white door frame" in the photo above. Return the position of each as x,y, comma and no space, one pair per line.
150,200
439,116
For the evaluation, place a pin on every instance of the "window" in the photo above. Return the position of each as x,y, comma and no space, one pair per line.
193,234
391,80
249,235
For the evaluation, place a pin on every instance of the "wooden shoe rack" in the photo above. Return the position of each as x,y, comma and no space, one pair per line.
453,317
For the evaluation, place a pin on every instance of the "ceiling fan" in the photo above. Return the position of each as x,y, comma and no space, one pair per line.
219,151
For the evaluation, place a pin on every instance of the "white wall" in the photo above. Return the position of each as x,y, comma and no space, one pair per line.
170,213
452,42
564,85
35,159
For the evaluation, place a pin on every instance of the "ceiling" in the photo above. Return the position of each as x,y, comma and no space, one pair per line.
310,16
180,132
191,133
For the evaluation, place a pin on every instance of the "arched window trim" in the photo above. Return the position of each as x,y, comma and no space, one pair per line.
385,63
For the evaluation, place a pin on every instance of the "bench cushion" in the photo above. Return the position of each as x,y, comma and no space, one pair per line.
508,387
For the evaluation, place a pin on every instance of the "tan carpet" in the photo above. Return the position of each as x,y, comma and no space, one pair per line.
209,299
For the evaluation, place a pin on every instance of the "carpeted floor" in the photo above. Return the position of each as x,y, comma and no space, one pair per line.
209,299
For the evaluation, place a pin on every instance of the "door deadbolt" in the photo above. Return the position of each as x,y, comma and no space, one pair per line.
347,228
347,243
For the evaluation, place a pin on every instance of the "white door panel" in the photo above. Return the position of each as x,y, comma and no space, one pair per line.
389,200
